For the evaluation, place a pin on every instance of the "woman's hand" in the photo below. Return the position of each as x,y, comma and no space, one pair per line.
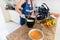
22,15
31,15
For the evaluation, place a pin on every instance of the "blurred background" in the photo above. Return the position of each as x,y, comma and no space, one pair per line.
9,20
8,7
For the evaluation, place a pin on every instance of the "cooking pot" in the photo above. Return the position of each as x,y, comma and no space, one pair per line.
30,22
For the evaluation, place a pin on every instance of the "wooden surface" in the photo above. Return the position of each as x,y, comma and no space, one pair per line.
22,33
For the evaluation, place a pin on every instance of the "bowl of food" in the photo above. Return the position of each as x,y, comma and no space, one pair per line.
36,34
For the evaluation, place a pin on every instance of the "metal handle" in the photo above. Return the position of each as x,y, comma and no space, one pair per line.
46,6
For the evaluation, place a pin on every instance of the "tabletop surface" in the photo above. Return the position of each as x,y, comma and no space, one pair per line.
22,33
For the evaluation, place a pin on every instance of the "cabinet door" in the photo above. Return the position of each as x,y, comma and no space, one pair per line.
14,16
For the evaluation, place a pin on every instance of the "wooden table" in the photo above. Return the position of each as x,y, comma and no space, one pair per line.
22,33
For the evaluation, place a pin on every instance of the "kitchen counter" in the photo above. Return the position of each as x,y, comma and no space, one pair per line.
22,32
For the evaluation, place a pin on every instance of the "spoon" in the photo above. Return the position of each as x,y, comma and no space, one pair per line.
29,20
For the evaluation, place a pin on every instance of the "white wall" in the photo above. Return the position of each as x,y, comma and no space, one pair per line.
54,5
5,12
3,28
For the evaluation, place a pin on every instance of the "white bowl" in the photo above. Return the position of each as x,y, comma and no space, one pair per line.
37,30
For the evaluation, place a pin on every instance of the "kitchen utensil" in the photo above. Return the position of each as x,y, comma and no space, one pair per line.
30,22
43,11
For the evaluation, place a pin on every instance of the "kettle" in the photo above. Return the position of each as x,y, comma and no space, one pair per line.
43,11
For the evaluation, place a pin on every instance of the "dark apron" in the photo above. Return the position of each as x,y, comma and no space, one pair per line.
25,7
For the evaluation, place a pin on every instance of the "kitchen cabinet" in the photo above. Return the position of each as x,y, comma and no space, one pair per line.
14,16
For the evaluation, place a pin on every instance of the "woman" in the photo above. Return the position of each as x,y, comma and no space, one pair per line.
26,9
